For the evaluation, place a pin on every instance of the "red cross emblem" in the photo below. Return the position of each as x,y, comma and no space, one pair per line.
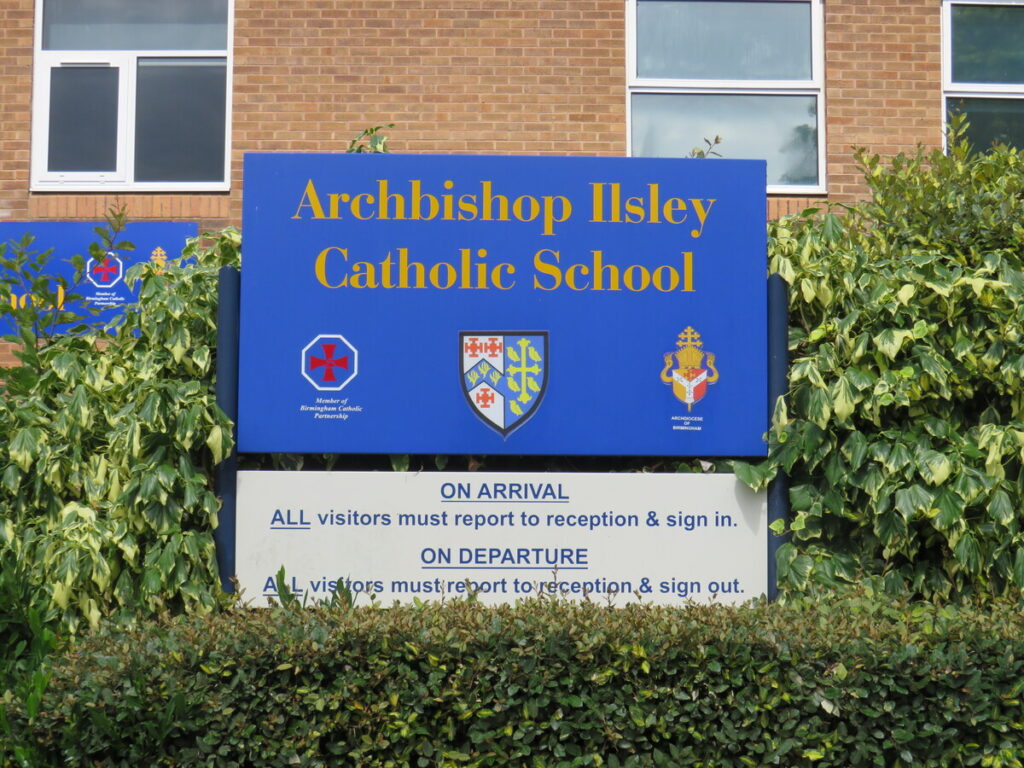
485,397
106,270
329,362
473,347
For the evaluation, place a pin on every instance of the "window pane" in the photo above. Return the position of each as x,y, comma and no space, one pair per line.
180,120
987,44
83,119
723,40
106,25
992,121
780,129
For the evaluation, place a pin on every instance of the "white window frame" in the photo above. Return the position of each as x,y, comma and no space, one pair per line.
951,90
814,87
126,61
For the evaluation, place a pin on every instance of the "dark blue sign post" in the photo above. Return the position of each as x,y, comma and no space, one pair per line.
498,305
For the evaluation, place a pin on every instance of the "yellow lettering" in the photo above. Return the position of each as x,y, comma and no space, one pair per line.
364,275
570,277
357,208
418,197
544,268
672,205
403,270
659,280
550,217
645,278
468,209
597,202
320,268
435,275
311,201
517,208
599,273
655,195
702,214
466,269
385,272
635,212
489,199
496,276
687,272
334,203
384,199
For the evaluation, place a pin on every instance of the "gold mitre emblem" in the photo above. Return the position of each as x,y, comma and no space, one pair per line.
695,368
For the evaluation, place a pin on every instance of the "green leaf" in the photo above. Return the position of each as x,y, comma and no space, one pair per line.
23,447
890,527
855,450
950,509
1018,568
934,467
913,500
968,553
819,407
891,340
1001,508
843,399
216,443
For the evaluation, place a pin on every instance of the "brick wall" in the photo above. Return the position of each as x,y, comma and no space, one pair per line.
883,80
504,76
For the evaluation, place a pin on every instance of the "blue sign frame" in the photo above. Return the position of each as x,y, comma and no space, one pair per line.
369,281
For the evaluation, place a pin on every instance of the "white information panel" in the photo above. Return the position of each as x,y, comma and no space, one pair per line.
658,538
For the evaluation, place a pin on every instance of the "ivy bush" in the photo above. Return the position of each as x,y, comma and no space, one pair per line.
109,439
904,433
850,682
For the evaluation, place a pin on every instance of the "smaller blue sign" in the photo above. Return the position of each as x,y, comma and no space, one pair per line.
102,285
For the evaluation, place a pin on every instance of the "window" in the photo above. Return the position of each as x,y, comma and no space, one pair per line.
983,69
750,72
131,94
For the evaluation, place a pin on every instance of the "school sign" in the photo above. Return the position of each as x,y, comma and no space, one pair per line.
502,305
494,305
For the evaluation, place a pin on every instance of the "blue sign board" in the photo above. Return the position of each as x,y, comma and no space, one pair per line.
102,285
503,305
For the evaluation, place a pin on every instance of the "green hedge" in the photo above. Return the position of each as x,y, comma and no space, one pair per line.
845,682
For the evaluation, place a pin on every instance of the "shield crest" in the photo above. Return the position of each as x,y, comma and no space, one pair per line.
504,375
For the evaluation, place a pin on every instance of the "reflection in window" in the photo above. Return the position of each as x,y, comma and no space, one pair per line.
118,25
749,72
991,121
987,44
724,40
984,70
781,129
83,119
179,120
